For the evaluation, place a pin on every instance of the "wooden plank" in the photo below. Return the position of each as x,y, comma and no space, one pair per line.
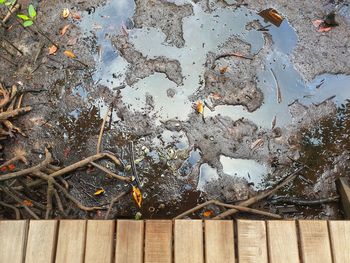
339,232
71,241
219,241
344,191
282,242
251,241
314,239
99,241
188,241
158,241
41,243
13,235
129,248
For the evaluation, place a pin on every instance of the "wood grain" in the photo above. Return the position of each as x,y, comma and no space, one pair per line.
13,236
99,241
158,241
188,241
129,247
41,243
71,241
282,242
219,241
252,245
339,232
314,239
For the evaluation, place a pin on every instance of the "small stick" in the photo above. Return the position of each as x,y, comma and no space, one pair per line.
132,161
13,9
278,90
49,198
59,203
12,45
18,215
263,195
12,113
107,171
294,201
113,201
101,131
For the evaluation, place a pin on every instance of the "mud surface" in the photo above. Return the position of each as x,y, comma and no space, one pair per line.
273,100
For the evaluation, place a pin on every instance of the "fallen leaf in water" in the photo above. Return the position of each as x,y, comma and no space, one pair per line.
99,191
65,12
69,54
208,213
200,107
258,143
52,50
64,29
136,193
76,15
320,26
11,167
223,70
215,96
272,16
27,203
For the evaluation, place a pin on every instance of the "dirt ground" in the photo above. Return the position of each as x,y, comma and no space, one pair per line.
68,105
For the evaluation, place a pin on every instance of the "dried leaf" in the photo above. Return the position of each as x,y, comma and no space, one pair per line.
223,70
11,167
200,107
208,213
69,54
76,15
72,41
272,16
215,96
258,143
52,50
99,191
3,169
136,193
65,12
320,26
64,30
27,203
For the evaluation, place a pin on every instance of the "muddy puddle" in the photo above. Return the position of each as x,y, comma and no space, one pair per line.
174,165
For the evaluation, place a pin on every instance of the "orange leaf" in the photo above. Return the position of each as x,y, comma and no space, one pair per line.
76,15
3,169
69,54
99,191
223,70
52,50
27,203
136,193
200,107
64,29
208,213
11,167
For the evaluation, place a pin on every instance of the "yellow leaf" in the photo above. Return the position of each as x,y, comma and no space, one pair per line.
200,107
99,191
136,193
65,12
69,54
27,203
223,70
52,50
208,213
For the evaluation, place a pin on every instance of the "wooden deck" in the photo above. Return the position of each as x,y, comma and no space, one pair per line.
179,241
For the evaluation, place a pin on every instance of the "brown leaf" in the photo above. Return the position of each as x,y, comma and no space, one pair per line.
76,15
64,29
52,50
69,54
223,70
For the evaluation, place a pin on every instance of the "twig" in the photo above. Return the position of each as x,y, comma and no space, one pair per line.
12,113
50,190
263,195
278,89
107,171
12,10
237,207
59,203
301,202
101,131
113,201
132,161
230,55
18,215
